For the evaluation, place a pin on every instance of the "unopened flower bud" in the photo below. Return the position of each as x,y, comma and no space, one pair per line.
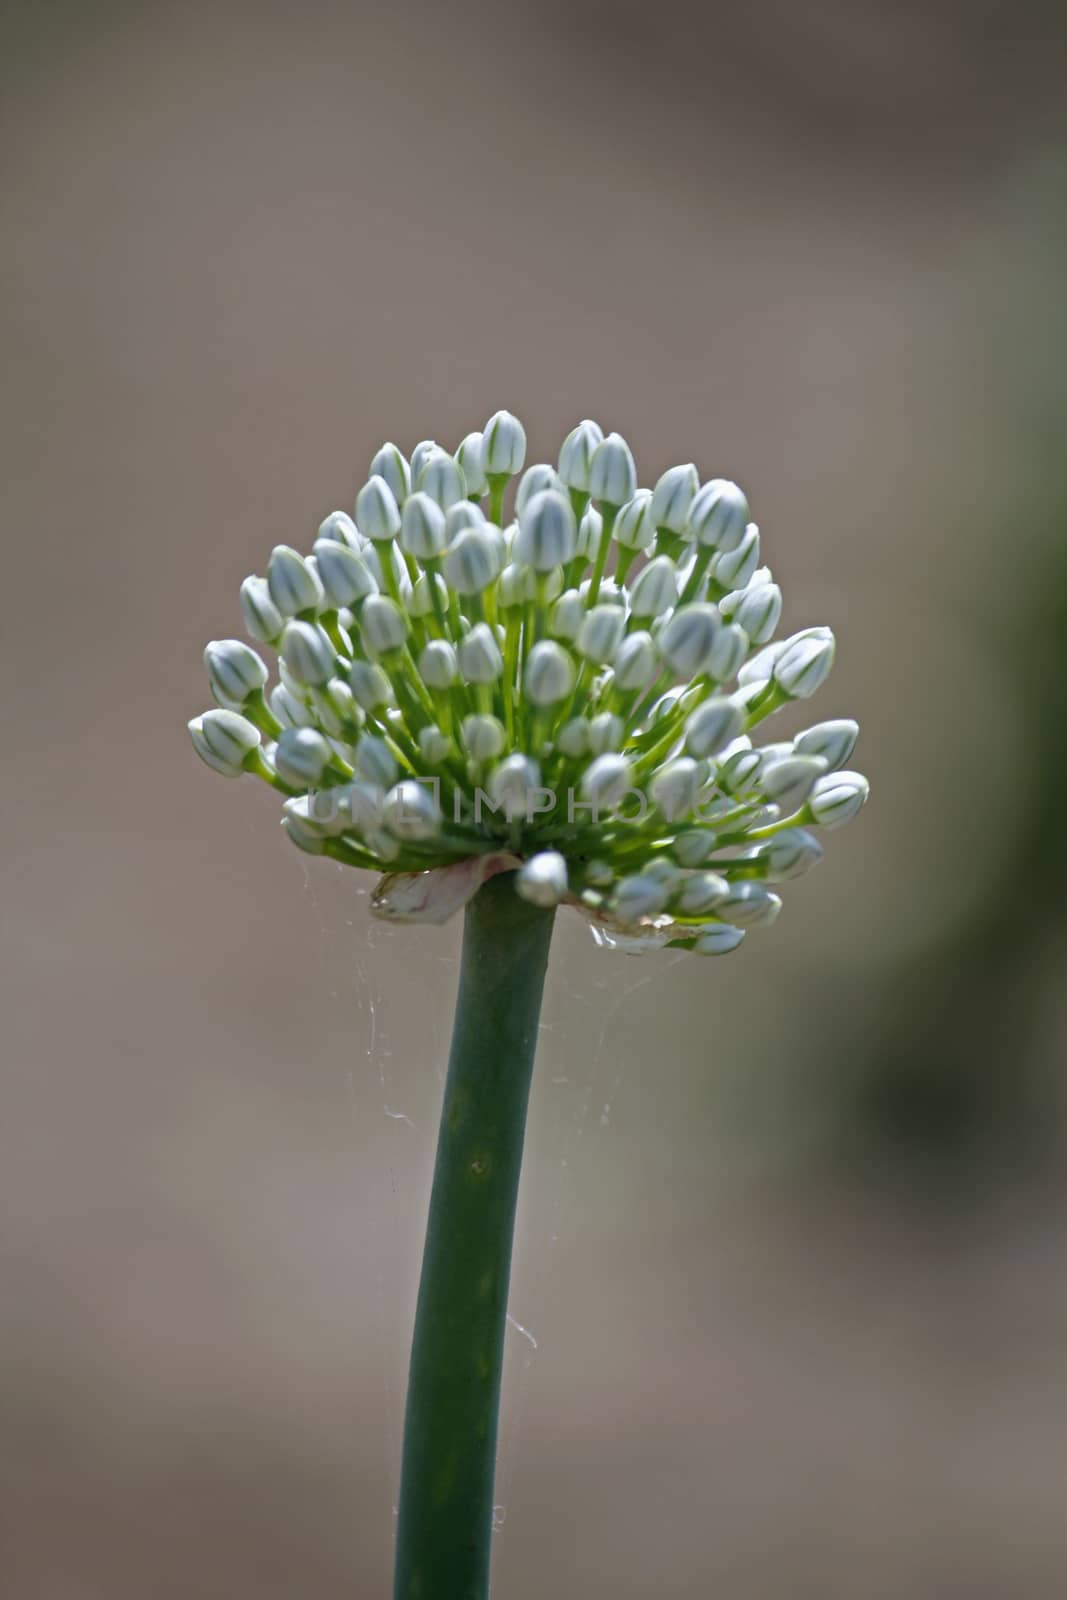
638,896
573,737
674,788
469,457
543,879
438,667
655,589
607,780
483,737
234,672
601,633
421,600
711,726
837,797
503,445
422,527
567,615
363,803
304,834
576,454
636,662
375,763
605,732
435,747
390,465
308,653
749,905
834,741
370,686
442,479
464,514
411,812
688,639
733,569
345,576
473,561
262,618
295,587
789,782
301,756
693,849
383,624
534,481
547,532
320,812
718,939
377,511
634,528
336,707
479,655
805,663
759,669
612,473
699,894
718,515
590,530
512,783
223,739
788,855
548,676
727,653
516,587
738,773
339,527
419,457
757,610
672,497
289,708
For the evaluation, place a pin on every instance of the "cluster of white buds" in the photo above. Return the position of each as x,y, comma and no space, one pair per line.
572,692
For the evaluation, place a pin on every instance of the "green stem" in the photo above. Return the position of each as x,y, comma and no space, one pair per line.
446,1491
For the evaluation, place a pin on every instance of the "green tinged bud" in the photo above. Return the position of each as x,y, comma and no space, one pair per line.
223,739
576,455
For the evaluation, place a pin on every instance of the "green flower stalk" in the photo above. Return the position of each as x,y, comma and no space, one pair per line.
507,717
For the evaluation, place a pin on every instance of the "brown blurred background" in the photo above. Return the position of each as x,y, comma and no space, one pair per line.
794,1235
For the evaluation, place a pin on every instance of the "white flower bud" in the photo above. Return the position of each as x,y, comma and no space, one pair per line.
503,445
589,531
438,667
576,455
601,633
674,788
483,737
442,479
607,780
834,741
634,528
411,812
759,669
234,672
469,457
548,676
377,511
383,624
390,465
321,812
420,601
294,585
805,663
601,874
435,747
345,577
262,618
739,773
605,732
636,662
308,653
542,879
712,725
655,589
223,739
516,587
573,737
699,894
756,609
688,639
290,709
419,457
336,707
672,497
375,763
638,896
718,939
512,783
422,527
464,514
567,616
609,595
534,481
718,515
479,655
304,835
749,905
727,653
837,797
473,561
301,756
547,532
369,685
788,855
339,527
363,802
733,569
612,473
693,849
789,782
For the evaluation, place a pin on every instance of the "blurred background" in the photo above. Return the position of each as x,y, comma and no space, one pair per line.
793,1253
